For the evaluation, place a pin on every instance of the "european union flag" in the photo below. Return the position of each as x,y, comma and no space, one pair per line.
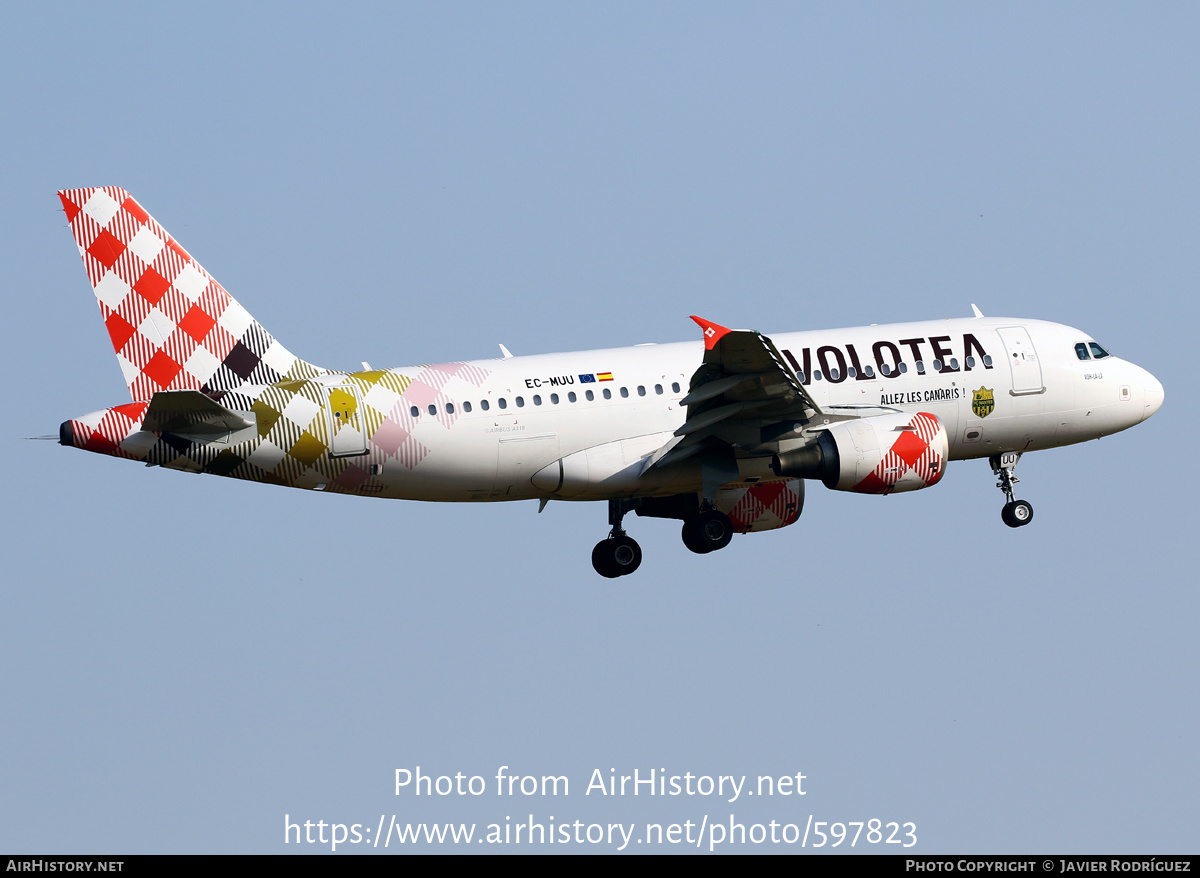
587,379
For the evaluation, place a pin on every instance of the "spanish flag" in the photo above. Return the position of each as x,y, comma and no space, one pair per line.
604,376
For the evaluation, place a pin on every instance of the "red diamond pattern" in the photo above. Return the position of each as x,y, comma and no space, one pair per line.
161,369
106,248
119,330
158,362
914,460
151,286
197,323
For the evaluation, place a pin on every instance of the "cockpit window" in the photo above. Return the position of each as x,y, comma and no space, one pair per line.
1098,352
1081,351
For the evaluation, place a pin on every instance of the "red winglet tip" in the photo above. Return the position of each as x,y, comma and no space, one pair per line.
713,332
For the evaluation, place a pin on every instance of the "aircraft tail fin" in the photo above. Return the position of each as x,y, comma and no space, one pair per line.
172,326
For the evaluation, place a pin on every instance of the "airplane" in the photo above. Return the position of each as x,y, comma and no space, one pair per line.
721,435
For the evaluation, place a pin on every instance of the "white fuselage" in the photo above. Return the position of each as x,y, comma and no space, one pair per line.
1041,395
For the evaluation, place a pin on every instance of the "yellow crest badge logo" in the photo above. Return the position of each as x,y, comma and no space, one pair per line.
983,402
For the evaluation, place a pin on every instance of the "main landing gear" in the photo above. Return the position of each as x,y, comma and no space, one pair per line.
708,531
1016,513
619,555
705,530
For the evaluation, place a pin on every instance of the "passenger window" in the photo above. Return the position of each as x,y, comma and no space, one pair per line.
920,367
800,375
658,389
1098,352
537,399
484,404
987,360
520,402
449,408
674,386
432,409
554,398
502,402
852,372
607,393
834,374
1081,351
937,365
590,396
869,372
886,370
816,374
641,390
970,362
414,411
903,368
624,393
571,397
466,407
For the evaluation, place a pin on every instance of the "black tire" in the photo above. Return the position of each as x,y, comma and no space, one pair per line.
1018,513
707,532
618,556
600,560
716,529
692,538
626,555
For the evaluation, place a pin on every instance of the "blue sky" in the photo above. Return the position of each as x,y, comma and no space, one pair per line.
188,659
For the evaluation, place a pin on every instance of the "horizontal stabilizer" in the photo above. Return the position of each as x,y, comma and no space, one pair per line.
190,411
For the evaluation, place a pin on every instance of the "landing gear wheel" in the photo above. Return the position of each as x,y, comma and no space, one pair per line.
616,556
707,532
1017,513
693,540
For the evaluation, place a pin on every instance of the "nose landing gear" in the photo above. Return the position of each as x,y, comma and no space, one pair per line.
1016,513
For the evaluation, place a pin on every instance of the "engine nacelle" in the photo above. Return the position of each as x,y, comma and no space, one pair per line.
761,505
882,454
751,506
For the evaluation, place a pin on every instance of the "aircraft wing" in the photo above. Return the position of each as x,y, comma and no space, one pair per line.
745,394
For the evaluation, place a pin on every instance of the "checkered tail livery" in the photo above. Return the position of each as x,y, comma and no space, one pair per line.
172,326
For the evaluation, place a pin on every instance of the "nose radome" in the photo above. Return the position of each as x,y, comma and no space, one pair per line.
1153,395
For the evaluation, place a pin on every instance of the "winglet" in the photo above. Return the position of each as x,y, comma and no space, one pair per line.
713,332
